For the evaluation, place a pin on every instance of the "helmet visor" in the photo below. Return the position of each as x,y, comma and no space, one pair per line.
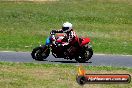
65,28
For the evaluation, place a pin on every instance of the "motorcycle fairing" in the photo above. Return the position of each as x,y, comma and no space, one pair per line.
48,41
85,41
59,40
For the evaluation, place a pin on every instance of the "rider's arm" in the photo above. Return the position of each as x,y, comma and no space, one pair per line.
72,36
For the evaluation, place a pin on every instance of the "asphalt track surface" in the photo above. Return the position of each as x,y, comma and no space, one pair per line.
96,60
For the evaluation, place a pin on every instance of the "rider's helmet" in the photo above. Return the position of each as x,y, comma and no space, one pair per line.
67,27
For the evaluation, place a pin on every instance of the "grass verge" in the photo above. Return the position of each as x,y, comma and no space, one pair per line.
33,75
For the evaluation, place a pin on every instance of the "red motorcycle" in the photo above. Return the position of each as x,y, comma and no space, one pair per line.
81,52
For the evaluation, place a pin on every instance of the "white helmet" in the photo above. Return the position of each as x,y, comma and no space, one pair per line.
66,27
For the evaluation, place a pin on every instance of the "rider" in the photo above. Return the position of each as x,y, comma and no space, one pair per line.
71,37
70,34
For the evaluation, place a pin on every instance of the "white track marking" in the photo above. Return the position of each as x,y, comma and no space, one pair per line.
111,54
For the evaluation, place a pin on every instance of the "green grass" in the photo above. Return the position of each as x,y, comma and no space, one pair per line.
25,25
33,75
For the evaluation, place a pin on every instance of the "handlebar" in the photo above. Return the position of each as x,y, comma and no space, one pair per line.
52,32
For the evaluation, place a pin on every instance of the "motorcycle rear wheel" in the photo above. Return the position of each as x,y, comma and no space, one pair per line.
40,53
83,57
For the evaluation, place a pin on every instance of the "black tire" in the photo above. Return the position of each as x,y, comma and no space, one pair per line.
84,56
81,80
90,53
40,53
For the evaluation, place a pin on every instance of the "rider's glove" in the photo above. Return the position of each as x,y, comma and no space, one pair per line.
52,32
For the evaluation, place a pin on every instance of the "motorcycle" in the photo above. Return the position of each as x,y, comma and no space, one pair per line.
81,53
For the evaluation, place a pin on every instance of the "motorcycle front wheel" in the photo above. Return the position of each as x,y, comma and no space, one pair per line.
40,53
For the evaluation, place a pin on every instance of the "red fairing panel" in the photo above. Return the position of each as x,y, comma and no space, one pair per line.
85,41
59,41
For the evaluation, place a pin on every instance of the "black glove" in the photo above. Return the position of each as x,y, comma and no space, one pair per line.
52,32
